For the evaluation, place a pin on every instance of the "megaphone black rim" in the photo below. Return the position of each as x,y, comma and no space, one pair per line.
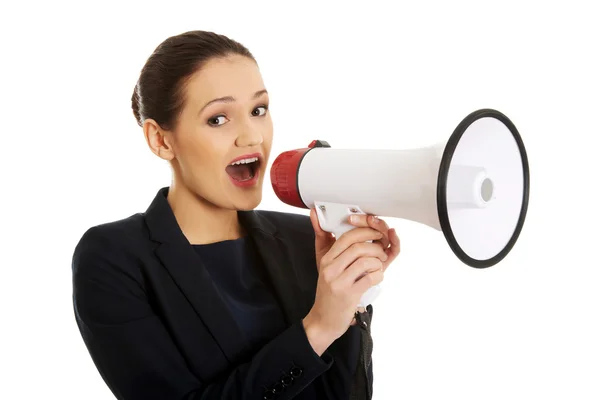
443,179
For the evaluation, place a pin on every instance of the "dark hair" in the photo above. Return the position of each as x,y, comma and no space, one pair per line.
159,91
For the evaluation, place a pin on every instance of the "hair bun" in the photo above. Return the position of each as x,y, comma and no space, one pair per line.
135,106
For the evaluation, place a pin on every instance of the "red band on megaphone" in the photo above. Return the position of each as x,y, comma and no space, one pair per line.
284,176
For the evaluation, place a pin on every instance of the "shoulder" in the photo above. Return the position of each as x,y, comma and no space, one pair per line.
108,243
112,233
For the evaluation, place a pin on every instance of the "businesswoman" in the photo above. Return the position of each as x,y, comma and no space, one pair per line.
201,296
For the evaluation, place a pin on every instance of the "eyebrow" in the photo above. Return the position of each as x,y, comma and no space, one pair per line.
230,99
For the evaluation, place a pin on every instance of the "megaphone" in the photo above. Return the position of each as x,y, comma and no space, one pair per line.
474,187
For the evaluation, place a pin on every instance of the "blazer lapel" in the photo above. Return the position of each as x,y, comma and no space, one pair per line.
278,263
186,269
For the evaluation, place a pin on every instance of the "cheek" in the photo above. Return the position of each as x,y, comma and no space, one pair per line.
268,131
203,163
268,140
199,158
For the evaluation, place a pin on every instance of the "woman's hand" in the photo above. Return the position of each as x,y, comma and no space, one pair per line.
390,242
324,240
348,267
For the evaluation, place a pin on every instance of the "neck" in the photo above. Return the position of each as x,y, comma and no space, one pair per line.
200,221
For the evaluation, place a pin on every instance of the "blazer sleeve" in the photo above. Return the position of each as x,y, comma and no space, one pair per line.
135,355
345,352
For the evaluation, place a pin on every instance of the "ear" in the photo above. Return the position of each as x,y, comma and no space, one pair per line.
158,140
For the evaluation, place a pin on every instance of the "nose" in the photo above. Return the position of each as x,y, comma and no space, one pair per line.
249,136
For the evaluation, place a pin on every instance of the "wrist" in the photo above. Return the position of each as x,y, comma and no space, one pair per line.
318,337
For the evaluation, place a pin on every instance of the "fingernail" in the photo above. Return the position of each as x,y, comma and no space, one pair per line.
354,219
375,218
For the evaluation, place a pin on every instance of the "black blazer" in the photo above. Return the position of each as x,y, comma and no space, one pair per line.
156,328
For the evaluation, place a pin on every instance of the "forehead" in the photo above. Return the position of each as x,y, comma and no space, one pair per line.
236,76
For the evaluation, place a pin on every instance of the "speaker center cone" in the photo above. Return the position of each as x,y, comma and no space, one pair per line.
487,189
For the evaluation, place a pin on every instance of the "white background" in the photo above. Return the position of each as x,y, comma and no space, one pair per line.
373,74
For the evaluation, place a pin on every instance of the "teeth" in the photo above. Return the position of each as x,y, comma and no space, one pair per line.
245,161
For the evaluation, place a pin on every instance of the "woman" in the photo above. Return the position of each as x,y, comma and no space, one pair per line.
202,297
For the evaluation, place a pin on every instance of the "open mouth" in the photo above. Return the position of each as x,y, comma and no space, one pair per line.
244,170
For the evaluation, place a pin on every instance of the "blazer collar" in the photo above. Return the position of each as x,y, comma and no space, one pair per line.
188,272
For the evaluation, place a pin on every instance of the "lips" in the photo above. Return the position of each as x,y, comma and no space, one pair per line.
244,168
246,156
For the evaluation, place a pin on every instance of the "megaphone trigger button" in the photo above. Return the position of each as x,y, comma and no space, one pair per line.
318,143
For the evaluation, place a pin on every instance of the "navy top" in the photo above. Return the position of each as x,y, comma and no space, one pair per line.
237,271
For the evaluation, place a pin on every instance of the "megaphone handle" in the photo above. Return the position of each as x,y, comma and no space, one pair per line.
333,217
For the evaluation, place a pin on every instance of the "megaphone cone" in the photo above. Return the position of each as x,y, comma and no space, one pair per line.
474,187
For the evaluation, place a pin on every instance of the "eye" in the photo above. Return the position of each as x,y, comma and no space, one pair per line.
217,120
257,111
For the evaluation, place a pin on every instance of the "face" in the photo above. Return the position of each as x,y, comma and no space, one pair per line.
225,120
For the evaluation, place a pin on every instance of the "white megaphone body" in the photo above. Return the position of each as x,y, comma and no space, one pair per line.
473,187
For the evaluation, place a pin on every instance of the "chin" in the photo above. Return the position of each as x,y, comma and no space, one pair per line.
248,205
250,201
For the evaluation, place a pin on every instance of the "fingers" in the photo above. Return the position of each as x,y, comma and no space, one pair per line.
356,235
372,221
336,267
358,251
394,249
358,277
367,281
390,241
359,268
